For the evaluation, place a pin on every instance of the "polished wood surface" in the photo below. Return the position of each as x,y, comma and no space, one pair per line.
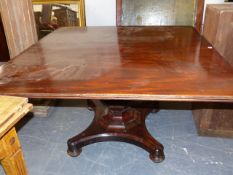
118,12
199,15
119,121
130,63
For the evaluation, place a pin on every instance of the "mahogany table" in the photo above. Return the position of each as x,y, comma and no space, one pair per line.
123,71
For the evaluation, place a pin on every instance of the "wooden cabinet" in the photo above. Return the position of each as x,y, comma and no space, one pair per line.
66,17
217,28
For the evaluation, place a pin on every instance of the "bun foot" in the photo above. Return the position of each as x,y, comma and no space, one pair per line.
157,156
74,153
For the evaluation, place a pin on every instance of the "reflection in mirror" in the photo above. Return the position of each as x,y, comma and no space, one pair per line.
158,12
53,14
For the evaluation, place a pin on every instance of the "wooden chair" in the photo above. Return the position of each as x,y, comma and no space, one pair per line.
12,109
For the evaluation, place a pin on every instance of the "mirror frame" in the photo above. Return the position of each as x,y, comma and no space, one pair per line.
80,3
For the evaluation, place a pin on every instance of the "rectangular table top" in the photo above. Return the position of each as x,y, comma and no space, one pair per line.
130,63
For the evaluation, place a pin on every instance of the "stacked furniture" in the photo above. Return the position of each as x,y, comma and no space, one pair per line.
66,17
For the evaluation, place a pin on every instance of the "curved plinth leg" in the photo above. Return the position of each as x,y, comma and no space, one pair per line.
125,123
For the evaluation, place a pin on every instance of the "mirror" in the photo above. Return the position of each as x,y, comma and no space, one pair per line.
158,12
53,14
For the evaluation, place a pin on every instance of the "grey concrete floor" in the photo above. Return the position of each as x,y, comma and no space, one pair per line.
44,145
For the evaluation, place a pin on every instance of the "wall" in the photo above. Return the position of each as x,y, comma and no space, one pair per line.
100,12
213,1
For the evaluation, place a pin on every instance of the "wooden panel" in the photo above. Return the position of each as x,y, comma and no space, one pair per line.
11,156
217,28
199,15
214,119
137,63
4,56
18,20
12,109
119,12
228,52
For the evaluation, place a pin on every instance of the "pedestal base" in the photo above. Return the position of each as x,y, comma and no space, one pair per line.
119,121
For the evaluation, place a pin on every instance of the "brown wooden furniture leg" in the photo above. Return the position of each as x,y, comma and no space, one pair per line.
118,121
11,155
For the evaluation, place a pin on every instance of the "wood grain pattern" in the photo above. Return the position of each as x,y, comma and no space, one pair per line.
12,109
134,63
11,156
217,27
214,119
228,53
19,24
